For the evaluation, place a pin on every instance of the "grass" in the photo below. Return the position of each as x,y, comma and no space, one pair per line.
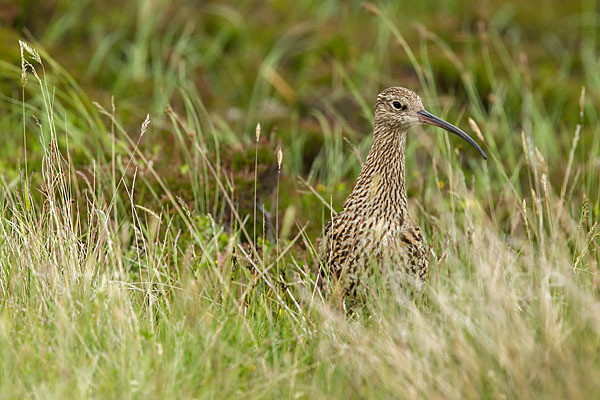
134,264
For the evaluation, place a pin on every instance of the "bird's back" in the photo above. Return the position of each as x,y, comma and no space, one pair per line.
355,243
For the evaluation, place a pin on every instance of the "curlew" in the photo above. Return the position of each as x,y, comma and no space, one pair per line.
374,229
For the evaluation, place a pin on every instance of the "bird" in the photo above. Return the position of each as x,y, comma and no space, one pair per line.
374,230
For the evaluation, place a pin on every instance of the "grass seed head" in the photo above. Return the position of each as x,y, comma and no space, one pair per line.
279,158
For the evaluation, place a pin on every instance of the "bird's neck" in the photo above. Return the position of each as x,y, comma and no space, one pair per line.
380,187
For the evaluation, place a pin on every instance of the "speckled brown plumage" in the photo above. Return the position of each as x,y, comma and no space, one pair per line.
374,229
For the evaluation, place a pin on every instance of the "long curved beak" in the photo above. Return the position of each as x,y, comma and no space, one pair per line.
431,119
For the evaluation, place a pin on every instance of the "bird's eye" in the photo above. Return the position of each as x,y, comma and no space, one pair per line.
398,106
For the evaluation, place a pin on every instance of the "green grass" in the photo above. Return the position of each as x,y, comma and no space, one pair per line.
129,167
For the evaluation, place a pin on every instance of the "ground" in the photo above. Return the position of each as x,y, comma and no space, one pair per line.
133,263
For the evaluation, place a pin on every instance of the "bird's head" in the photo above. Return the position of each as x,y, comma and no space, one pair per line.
400,108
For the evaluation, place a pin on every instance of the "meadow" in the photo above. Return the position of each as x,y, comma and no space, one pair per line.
157,242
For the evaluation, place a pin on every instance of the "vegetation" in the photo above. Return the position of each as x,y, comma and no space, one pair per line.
133,263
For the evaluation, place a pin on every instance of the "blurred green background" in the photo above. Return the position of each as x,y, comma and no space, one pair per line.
308,71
